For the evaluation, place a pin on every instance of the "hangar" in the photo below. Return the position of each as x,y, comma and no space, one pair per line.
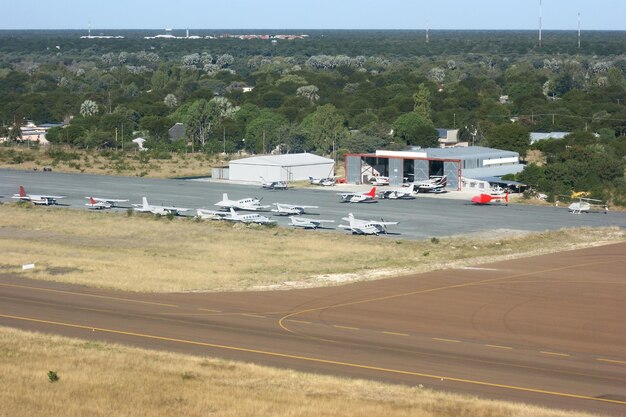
420,164
287,167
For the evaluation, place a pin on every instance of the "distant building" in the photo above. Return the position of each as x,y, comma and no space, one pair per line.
176,132
33,133
449,137
537,136
286,167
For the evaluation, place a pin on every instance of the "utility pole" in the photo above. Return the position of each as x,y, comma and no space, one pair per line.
578,30
116,138
540,17
263,141
224,140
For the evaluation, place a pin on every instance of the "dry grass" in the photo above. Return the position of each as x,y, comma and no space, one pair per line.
101,379
145,254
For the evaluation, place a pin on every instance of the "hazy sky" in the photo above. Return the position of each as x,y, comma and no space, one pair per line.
312,14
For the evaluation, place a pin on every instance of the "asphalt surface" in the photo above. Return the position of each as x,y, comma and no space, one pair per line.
424,217
547,330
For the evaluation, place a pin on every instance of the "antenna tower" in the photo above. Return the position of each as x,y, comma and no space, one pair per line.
578,30
540,17
427,32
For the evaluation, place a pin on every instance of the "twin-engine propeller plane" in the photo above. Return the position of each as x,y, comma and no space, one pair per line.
252,204
358,197
97,203
400,194
233,216
45,200
488,199
307,223
274,185
145,207
291,209
435,184
365,227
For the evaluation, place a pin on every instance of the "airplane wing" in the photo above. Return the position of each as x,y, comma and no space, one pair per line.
48,197
108,200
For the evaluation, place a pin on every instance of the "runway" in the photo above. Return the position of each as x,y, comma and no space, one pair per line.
424,217
547,330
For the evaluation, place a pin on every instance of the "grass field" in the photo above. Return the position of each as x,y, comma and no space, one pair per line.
144,253
101,379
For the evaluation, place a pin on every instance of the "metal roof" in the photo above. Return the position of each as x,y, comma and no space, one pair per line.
462,152
499,180
494,171
292,159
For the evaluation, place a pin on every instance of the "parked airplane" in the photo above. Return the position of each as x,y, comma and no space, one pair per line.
307,223
273,185
402,194
211,214
98,203
145,207
46,200
358,197
252,204
435,184
291,209
365,227
326,182
487,199
248,218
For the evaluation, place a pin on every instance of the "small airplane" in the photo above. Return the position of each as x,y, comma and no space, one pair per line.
435,184
488,199
379,180
233,216
97,203
273,185
307,223
252,204
402,194
291,209
205,214
358,197
45,200
145,207
365,227
325,182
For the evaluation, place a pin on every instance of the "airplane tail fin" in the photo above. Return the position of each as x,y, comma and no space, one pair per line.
351,219
92,201
145,203
506,197
372,192
224,197
22,191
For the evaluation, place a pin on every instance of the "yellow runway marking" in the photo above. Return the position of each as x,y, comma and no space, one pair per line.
554,353
446,340
611,361
396,334
105,297
209,310
499,347
320,360
300,321
254,315
346,327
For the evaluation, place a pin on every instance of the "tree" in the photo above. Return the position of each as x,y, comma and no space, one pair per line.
202,116
309,92
421,100
15,131
510,137
324,128
170,101
88,108
263,132
415,129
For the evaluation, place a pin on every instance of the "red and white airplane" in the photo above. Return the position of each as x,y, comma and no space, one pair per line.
488,199
45,200
97,203
358,197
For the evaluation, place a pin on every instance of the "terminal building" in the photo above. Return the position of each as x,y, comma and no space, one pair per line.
459,164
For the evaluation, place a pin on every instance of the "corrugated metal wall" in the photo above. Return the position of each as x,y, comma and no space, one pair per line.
353,169
421,170
451,170
396,167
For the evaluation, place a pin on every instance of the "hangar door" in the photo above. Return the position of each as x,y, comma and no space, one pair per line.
421,170
353,169
451,169
396,167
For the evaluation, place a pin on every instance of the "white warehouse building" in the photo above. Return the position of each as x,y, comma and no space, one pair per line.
287,167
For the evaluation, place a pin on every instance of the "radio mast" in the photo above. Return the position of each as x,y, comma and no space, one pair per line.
540,16
578,30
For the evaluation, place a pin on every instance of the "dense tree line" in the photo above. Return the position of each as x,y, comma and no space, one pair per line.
344,91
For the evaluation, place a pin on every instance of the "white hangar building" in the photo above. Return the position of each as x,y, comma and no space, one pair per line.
287,167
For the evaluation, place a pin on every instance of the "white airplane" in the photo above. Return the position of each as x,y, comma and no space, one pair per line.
98,203
211,214
291,209
273,185
162,210
400,194
358,197
252,204
365,227
46,200
307,223
248,218
325,182
435,184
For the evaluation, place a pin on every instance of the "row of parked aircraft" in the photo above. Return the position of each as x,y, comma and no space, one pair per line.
229,211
